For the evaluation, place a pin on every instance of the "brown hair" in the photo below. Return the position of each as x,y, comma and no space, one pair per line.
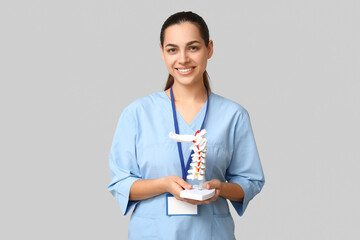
182,17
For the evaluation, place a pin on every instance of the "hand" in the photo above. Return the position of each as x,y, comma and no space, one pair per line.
213,184
175,184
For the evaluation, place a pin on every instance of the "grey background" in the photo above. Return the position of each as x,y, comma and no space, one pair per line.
68,69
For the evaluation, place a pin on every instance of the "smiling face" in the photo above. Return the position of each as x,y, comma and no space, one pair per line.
185,53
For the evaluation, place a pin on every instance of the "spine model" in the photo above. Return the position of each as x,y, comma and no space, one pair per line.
199,147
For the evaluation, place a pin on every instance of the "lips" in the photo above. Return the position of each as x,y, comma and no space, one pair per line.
185,71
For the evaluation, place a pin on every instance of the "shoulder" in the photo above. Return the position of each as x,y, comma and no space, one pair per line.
146,103
226,106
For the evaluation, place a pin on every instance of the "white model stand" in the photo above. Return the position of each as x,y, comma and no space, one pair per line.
198,194
197,163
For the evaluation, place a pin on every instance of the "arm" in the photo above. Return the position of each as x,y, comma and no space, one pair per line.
231,191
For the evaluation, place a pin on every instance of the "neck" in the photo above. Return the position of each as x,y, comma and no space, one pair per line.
190,93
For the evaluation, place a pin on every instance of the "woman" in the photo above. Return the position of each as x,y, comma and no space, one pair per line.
144,161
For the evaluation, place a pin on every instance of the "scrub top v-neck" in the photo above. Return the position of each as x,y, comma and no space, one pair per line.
142,149
198,118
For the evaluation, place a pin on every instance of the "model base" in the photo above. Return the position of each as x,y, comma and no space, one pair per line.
197,194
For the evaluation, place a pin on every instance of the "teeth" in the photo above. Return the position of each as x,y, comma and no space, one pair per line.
184,70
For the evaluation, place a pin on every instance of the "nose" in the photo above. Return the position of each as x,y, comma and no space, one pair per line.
183,57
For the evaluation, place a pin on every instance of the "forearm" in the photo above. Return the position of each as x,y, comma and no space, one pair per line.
146,188
232,191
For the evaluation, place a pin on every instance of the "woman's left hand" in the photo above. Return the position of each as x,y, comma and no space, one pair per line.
213,184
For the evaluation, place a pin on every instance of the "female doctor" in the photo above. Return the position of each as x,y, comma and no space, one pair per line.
146,165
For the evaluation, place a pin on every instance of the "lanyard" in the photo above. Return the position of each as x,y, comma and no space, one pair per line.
183,169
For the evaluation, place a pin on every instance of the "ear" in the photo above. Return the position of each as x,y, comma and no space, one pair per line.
210,48
161,50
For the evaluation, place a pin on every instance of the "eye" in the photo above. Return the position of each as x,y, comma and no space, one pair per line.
171,50
194,48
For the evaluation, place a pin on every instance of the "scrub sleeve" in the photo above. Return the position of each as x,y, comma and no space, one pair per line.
245,167
123,165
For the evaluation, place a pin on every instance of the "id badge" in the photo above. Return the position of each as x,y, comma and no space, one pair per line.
176,207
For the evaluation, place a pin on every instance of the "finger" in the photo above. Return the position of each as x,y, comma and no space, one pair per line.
213,184
208,201
207,185
210,184
189,201
183,184
175,191
217,193
194,202
215,197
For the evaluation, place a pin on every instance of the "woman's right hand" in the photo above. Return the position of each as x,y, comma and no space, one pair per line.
175,184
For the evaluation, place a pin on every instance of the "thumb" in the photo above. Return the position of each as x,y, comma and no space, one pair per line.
184,184
207,184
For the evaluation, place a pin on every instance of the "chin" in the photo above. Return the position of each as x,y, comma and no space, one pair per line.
185,81
190,80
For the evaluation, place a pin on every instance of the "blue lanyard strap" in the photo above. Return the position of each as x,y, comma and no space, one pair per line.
184,170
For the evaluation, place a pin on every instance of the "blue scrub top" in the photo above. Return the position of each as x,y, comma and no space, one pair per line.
142,149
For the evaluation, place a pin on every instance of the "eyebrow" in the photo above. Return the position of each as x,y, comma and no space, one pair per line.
189,43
